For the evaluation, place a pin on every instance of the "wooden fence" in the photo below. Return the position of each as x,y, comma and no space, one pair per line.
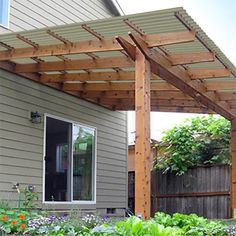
202,190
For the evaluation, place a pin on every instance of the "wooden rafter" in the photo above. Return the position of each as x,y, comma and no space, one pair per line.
208,73
100,63
104,45
68,42
5,45
177,95
220,85
31,43
227,95
155,102
155,86
9,66
173,95
190,58
133,26
38,60
129,48
180,78
92,76
196,110
181,18
120,105
92,31
28,41
160,86
100,37
58,37
127,75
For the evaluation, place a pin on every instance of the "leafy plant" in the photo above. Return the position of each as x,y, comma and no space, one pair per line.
32,223
197,141
13,221
192,224
30,198
4,204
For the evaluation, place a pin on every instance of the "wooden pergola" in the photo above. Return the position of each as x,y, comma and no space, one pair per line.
157,61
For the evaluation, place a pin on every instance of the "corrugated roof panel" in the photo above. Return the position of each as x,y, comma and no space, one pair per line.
151,23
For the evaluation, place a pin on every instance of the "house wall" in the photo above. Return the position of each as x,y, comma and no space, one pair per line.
32,14
21,142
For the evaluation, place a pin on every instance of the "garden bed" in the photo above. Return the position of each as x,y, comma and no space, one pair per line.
41,223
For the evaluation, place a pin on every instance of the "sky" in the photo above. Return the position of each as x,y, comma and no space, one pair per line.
216,17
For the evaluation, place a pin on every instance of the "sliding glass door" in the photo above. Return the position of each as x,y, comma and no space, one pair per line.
83,153
69,161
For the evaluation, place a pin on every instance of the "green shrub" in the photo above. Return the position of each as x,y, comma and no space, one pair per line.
197,141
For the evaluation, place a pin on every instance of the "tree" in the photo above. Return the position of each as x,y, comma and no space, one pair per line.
197,141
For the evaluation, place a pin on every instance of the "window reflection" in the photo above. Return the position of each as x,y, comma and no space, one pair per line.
83,153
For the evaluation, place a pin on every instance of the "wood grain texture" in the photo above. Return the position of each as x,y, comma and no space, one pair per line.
142,137
202,190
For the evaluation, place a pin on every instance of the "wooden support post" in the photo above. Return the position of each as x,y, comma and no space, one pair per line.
233,168
142,139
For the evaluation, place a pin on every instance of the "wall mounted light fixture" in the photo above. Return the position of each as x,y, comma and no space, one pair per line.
35,117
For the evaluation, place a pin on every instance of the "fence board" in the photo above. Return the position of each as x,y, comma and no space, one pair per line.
202,190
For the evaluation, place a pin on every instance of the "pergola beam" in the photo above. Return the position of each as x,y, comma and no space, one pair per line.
196,110
91,76
127,86
223,85
190,58
179,78
88,46
83,64
9,66
100,63
129,48
208,73
155,95
126,75
155,102
171,95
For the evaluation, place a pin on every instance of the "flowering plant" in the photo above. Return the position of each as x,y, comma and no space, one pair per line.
45,224
13,221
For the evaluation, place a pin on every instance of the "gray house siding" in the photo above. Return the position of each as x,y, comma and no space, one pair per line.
32,14
21,142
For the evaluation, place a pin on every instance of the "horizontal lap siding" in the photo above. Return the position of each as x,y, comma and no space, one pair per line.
31,14
21,142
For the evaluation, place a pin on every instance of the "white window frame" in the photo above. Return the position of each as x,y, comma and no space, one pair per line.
8,17
94,184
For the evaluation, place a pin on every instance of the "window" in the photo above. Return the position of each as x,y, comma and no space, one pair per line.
4,13
69,162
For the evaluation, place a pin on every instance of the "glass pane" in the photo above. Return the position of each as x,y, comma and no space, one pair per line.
4,5
83,163
57,161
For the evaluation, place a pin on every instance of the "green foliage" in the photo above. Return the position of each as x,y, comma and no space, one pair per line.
28,223
4,204
13,221
192,224
30,198
136,226
197,141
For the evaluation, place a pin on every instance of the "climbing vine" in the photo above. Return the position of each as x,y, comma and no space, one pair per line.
197,141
